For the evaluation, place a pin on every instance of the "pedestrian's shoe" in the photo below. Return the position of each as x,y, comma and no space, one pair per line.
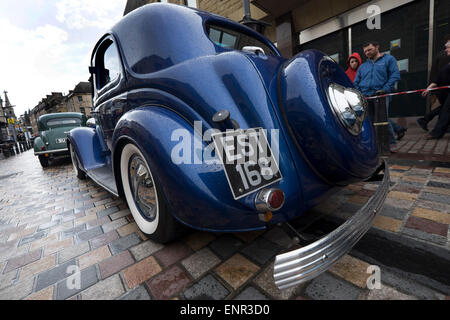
422,123
401,133
393,148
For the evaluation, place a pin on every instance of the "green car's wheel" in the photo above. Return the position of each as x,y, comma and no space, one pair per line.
76,164
44,161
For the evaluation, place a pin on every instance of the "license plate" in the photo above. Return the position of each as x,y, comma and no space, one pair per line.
248,160
61,140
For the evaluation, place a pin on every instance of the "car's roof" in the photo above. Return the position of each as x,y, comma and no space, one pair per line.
178,31
48,116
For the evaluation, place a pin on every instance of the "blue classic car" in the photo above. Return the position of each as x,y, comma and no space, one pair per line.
200,122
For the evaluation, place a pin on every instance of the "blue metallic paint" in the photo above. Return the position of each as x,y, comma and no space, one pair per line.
180,80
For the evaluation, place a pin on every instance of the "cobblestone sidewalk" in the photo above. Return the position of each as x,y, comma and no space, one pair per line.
50,221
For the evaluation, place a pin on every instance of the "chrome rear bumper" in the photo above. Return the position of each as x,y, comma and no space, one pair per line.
298,266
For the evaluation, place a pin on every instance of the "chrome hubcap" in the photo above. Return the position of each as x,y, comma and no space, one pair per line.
142,187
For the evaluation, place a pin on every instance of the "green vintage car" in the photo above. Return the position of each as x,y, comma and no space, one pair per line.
53,129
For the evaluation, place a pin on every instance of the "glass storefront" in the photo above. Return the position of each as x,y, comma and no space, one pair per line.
404,34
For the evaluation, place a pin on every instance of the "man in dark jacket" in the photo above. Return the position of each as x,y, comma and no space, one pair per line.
443,79
441,60
378,76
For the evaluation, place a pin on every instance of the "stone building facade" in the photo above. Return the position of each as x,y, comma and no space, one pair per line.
80,99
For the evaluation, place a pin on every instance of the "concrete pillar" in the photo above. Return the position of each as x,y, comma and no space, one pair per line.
287,41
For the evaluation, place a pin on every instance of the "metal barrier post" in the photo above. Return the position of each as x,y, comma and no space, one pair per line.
378,114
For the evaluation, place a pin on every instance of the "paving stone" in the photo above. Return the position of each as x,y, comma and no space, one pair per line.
44,294
408,286
104,239
139,293
17,291
107,227
72,232
54,275
438,184
426,225
32,238
97,222
22,260
198,240
141,271
89,234
436,206
73,251
264,280
352,270
261,250
278,236
398,203
114,264
43,241
435,197
173,253
119,214
236,270
94,257
207,288
386,223
107,212
326,287
7,279
145,249
388,293
392,212
436,216
124,243
429,237
200,262
168,283
39,266
47,225
108,289
250,293
66,289
225,246
57,246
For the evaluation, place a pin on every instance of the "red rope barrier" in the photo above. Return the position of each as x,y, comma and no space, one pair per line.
407,92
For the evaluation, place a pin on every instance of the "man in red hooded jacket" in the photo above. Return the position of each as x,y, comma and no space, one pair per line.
353,63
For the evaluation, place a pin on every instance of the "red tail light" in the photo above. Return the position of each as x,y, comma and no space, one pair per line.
43,148
269,200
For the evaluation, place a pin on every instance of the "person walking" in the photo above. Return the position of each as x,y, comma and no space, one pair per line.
441,60
378,76
353,64
443,79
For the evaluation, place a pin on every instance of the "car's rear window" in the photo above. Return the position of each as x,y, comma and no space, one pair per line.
232,39
61,122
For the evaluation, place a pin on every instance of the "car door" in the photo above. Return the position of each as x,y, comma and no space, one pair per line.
110,98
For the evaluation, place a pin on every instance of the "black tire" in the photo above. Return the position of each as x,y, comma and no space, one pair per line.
44,161
154,220
76,164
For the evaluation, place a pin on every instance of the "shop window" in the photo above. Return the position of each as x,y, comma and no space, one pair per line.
441,25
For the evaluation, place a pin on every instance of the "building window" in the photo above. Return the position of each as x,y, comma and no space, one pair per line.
80,98
190,3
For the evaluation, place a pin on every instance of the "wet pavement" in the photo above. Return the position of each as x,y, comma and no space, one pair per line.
51,223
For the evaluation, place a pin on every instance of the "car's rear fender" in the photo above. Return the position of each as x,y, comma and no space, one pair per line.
38,144
86,143
197,194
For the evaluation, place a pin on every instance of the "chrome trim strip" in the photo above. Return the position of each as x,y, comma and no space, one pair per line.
51,151
298,266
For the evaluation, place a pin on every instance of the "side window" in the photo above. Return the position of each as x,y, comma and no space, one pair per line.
107,63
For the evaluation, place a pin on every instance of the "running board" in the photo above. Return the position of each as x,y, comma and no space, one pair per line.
105,178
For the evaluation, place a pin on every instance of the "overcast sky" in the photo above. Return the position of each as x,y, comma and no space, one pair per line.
45,45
